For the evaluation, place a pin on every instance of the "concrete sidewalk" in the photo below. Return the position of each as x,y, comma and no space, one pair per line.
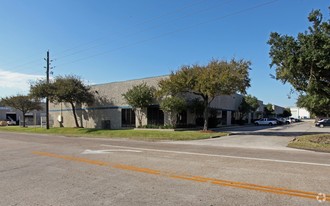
245,141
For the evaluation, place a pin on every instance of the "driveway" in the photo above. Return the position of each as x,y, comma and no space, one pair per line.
261,137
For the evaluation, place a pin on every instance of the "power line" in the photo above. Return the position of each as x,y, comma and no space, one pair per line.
147,29
175,31
158,36
100,38
138,24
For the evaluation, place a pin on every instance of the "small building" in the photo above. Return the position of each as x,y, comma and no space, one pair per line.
110,111
31,118
300,113
278,110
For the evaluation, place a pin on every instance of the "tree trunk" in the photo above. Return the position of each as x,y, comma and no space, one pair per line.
173,119
206,113
74,114
24,119
139,116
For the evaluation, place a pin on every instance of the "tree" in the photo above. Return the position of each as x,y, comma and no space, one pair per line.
207,82
22,103
268,110
319,106
196,106
70,89
173,106
286,113
303,61
140,97
249,104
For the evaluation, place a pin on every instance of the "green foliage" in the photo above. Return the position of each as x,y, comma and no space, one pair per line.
140,97
152,126
253,102
209,81
304,61
218,77
196,106
316,104
173,105
22,103
249,104
41,89
315,142
69,89
286,113
268,110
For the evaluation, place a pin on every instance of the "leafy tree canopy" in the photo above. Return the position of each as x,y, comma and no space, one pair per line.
139,97
249,104
286,113
173,105
316,104
215,78
268,110
196,106
304,61
69,89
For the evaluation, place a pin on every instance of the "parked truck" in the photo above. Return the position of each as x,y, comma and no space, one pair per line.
265,121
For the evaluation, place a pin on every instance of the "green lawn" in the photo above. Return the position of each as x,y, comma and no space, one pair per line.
147,135
317,142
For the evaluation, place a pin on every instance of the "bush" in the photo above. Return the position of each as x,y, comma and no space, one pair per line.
153,126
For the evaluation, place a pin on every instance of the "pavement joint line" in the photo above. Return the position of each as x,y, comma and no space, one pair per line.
224,156
321,197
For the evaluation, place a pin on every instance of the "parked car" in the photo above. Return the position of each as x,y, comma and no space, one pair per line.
288,121
292,119
280,121
11,122
266,121
322,123
297,120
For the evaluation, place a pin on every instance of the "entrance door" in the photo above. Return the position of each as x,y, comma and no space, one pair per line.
155,116
127,118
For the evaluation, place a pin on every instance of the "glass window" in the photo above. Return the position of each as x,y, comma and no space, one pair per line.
127,118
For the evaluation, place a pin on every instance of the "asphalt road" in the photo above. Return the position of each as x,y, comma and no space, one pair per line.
51,170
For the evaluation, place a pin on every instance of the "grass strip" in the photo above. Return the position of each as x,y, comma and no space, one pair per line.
316,142
146,135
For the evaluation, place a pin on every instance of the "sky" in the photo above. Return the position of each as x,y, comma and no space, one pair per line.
105,41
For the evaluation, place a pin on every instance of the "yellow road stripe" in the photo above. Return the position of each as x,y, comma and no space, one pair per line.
71,158
136,169
259,186
241,185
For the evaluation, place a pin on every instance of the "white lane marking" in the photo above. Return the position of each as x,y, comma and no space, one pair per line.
88,151
225,156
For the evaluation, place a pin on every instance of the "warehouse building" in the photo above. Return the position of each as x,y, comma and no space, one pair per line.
112,112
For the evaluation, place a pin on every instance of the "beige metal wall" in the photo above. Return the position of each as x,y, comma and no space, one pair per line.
109,103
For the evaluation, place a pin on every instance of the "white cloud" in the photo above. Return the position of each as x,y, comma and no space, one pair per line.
12,83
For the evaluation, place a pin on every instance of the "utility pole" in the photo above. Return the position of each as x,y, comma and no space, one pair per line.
47,100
